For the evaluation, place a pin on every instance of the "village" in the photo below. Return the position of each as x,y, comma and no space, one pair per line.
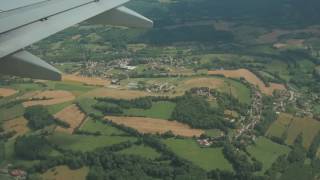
120,69
17,174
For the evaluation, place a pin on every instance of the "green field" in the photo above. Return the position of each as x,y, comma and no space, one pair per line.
97,126
292,127
143,151
316,109
306,65
267,151
280,68
206,158
75,88
308,127
238,90
280,126
11,113
58,107
86,105
27,86
9,149
64,172
160,110
85,143
5,177
298,171
213,132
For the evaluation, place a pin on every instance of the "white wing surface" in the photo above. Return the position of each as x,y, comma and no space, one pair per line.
33,20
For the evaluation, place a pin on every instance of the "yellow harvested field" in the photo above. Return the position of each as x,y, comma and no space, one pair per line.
5,92
151,125
28,95
251,78
65,173
116,93
71,115
211,83
49,98
86,80
19,125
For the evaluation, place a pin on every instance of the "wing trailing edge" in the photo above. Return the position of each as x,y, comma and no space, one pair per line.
122,16
25,64
24,36
40,23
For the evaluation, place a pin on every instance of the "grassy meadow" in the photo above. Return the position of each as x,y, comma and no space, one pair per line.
206,158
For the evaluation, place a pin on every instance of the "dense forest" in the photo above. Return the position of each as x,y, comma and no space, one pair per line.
288,13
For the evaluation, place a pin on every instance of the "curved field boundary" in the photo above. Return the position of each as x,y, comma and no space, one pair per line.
251,78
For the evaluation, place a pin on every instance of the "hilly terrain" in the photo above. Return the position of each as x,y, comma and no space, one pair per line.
216,90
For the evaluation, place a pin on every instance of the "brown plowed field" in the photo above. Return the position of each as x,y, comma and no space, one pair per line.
50,98
18,125
71,115
5,92
86,80
151,125
211,83
116,93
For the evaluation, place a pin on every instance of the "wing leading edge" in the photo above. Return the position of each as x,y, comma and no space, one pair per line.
13,61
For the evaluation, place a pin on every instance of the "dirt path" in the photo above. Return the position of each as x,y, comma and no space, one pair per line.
151,125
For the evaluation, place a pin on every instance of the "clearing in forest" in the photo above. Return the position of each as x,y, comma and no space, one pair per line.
151,125
47,98
250,77
71,115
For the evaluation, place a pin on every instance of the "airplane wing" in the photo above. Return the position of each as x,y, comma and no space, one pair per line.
24,22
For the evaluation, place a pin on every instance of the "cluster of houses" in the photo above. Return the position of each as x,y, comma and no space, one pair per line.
160,88
209,141
16,174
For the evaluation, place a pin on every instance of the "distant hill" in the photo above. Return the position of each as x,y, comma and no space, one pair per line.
287,13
